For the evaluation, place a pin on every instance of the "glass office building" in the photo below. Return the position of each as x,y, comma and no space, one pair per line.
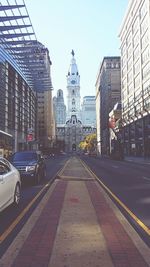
17,101
25,73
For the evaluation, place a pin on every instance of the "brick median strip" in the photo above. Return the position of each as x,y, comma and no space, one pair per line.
37,249
122,249
79,241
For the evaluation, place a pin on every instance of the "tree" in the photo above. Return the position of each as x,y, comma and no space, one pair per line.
89,143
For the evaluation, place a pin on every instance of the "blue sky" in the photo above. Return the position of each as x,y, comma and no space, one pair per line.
88,27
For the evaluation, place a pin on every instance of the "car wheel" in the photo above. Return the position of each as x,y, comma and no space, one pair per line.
17,195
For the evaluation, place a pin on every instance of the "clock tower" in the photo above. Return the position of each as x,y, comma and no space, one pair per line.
73,131
73,89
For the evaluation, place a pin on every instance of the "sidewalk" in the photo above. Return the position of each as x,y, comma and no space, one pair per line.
76,225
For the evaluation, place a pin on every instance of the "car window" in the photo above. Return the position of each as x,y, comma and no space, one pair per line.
6,162
24,156
3,168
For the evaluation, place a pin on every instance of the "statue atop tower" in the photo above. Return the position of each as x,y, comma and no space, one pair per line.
72,52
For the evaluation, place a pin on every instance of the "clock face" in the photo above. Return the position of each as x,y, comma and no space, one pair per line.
73,81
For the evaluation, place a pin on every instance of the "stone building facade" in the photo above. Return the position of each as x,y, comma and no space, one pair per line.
89,111
135,76
108,93
73,131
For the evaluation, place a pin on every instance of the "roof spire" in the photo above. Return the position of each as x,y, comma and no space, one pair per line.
72,52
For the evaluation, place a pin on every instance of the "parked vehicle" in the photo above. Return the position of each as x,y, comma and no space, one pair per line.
10,184
30,164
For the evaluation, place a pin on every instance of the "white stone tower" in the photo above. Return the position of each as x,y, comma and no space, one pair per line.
73,90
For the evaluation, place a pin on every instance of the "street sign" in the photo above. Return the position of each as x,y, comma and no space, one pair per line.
30,137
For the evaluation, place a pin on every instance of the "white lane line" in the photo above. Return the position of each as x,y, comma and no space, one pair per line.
146,178
114,166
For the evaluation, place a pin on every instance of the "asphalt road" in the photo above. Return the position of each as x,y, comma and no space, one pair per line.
130,183
12,219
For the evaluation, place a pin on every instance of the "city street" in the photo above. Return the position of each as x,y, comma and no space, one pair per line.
74,134
12,220
128,182
75,220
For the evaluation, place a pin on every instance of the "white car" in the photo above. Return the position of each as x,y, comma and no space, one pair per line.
10,184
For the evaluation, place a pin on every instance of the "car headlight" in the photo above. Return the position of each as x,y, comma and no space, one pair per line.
30,168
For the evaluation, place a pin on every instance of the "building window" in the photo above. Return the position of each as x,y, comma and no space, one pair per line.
145,56
137,81
129,51
136,39
129,76
137,68
130,88
147,103
136,53
146,87
129,63
135,26
145,40
146,71
143,10
123,50
144,25
129,38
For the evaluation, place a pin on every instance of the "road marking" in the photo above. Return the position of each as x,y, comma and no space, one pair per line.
146,178
62,170
22,214
138,221
115,166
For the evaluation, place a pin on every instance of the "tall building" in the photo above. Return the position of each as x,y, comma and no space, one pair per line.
89,111
108,93
25,73
73,131
18,103
73,123
46,120
59,108
135,76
